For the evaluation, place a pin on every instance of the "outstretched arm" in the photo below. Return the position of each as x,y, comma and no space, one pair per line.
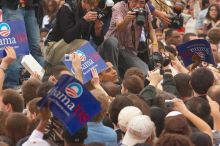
6,61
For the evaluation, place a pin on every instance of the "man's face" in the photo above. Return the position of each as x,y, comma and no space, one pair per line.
175,39
88,6
133,4
110,74
159,36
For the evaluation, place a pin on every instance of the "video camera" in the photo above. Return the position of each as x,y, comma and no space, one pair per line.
176,17
140,16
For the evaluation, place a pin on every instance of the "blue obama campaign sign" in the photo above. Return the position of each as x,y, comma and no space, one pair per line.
196,50
71,103
89,59
13,33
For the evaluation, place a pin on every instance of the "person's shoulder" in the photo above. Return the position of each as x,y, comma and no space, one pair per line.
110,131
66,7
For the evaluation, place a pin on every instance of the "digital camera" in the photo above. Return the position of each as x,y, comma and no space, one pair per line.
140,16
101,14
169,103
176,20
157,60
176,17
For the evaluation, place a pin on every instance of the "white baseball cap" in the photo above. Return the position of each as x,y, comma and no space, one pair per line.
125,116
140,128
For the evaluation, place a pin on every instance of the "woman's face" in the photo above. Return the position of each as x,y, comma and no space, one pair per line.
213,12
52,6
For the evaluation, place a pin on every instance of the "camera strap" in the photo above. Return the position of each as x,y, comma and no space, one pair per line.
133,34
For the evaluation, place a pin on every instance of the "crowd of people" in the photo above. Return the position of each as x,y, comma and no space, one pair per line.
148,96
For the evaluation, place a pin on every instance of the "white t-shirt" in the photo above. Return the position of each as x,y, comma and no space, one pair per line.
45,21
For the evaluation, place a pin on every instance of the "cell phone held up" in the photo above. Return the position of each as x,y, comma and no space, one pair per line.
169,103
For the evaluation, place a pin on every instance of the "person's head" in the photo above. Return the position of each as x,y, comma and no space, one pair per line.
44,88
200,107
58,70
133,4
214,92
157,115
29,88
171,50
201,79
32,109
200,139
134,71
159,34
17,126
132,84
176,123
140,130
3,117
77,138
182,85
213,35
52,6
11,101
139,103
125,116
103,99
116,105
111,89
110,74
153,100
213,12
160,98
174,140
214,49
189,36
88,5
172,37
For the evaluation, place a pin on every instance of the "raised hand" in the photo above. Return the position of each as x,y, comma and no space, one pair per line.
9,58
154,77
76,63
130,16
90,16
95,78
